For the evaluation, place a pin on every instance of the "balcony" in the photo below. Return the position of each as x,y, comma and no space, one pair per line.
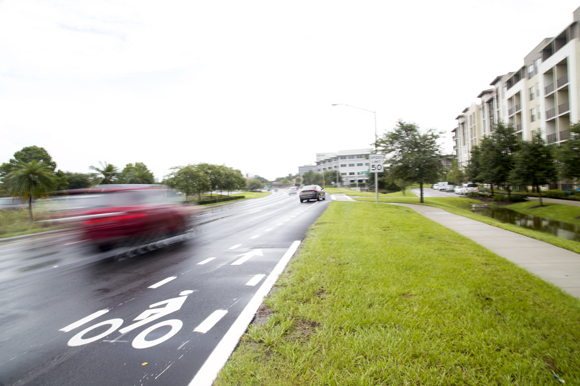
564,107
549,88
512,111
518,107
564,134
519,127
562,81
552,138
551,113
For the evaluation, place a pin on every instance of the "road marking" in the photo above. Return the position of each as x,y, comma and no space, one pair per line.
84,320
210,321
268,230
74,242
164,281
254,237
248,255
255,280
219,356
42,238
205,261
279,223
236,246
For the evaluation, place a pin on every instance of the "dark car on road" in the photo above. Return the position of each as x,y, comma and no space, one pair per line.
312,192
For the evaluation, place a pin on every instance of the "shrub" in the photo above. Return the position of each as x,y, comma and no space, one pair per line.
555,194
501,197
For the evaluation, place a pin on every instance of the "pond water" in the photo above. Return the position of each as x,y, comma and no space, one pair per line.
556,228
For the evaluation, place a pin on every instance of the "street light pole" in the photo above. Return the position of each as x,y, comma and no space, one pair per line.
376,174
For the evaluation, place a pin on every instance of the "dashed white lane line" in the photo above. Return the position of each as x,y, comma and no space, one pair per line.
236,246
254,237
255,280
164,281
84,320
205,261
268,230
219,356
210,321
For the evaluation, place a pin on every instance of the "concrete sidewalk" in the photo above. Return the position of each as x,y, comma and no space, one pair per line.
553,264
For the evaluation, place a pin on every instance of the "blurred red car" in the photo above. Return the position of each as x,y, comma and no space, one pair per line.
113,216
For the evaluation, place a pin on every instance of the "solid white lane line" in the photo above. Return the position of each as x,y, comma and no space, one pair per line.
87,319
236,246
210,321
219,356
255,280
205,261
164,281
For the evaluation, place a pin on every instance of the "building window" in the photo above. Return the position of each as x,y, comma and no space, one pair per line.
343,157
530,71
350,165
532,93
351,174
336,167
539,113
359,164
359,156
537,65
538,89
351,157
343,174
533,115
366,164
342,165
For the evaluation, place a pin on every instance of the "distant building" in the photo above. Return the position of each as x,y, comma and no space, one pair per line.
350,164
305,168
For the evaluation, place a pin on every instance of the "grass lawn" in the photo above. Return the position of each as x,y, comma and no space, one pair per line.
393,298
16,222
462,207
354,193
558,212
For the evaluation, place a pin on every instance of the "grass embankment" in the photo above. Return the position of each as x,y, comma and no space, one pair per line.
16,222
462,207
392,298
356,193
565,213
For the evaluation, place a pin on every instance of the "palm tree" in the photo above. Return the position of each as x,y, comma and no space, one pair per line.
107,174
30,181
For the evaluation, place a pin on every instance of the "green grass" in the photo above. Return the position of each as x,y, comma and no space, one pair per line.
462,206
355,193
393,298
16,222
558,212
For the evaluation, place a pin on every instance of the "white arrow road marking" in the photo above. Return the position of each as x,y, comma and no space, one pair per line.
255,280
208,372
87,319
205,261
164,281
248,255
211,321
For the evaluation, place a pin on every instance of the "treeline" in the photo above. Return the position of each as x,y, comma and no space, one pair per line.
203,177
503,160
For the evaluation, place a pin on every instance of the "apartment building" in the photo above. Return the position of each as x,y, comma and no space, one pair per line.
352,165
541,95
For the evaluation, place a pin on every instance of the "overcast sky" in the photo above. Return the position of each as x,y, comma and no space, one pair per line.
247,84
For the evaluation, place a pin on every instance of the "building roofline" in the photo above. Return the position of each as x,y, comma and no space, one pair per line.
488,91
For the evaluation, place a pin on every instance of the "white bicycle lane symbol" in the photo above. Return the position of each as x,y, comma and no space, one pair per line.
147,316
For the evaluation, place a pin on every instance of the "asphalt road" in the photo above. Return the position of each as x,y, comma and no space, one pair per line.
71,316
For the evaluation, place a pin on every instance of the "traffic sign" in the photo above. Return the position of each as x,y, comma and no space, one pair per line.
377,163
366,172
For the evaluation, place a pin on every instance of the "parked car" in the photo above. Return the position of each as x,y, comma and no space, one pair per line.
435,186
311,192
470,188
450,188
442,186
115,216
458,189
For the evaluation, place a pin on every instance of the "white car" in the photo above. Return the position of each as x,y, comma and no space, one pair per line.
470,188
458,189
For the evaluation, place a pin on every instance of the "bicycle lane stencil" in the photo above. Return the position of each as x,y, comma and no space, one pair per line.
156,311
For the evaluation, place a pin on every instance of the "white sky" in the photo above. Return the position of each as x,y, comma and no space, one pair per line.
248,84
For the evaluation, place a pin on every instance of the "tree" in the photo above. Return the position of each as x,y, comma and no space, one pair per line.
189,179
77,180
261,179
473,169
136,174
456,176
410,154
534,164
27,155
497,155
254,184
234,180
330,176
60,180
30,181
312,178
106,174
568,154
